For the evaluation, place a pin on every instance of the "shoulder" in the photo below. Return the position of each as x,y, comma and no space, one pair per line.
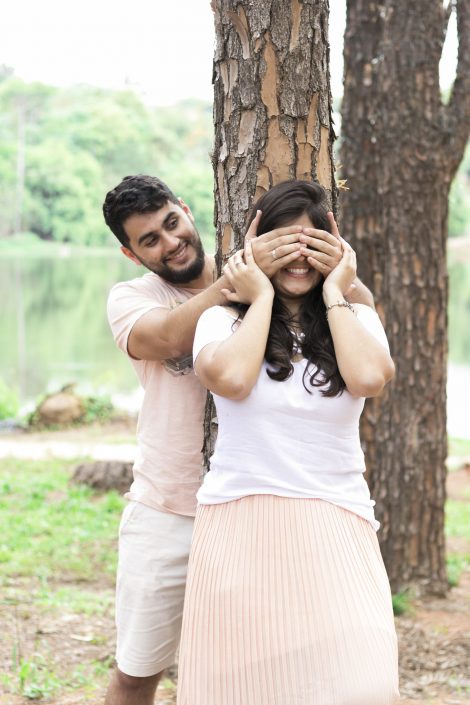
148,283
214,325
219,313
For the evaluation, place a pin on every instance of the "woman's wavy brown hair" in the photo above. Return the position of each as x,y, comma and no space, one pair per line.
280,206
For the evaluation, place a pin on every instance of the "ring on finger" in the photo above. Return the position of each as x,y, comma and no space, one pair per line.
274,253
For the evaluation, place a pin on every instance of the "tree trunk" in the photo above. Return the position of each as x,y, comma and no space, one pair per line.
401,148
272,105
272,109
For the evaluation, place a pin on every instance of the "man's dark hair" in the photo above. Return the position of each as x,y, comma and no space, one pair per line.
135,194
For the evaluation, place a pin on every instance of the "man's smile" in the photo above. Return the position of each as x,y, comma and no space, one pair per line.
179,255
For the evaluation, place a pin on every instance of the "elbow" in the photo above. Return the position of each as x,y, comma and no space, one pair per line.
372,385
225,384
233,388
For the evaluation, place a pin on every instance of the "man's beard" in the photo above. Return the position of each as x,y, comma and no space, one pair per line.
183,275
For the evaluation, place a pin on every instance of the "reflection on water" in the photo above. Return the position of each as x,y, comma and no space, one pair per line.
54,329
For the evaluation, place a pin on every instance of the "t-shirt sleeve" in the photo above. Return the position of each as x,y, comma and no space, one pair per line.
214,325
370,320
126,304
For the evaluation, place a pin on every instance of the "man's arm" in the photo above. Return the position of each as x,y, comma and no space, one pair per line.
161,334
360,294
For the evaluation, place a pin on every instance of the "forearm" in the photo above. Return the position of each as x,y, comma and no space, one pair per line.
163,334
231,369
364,364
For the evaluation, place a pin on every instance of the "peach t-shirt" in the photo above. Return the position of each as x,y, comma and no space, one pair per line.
168,468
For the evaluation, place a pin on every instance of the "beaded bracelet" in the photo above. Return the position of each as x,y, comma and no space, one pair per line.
344,303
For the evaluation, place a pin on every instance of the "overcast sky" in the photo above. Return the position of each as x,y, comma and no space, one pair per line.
161,48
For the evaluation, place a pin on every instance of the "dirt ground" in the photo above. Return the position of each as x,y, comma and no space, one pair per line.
434,639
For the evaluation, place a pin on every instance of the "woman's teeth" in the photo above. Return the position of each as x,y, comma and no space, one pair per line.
297,271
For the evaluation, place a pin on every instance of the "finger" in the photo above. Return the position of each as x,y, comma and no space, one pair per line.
278,241
249,259
323,235
280,232
334,227
228,273
321,257
233,265
283,262
321,245
319,266
253,229
284,250
230,295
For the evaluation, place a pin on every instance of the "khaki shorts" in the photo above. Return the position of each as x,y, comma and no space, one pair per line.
153,561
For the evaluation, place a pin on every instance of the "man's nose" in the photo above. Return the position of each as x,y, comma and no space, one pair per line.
171,242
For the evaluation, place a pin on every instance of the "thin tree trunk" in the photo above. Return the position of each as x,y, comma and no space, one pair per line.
272,105
401,148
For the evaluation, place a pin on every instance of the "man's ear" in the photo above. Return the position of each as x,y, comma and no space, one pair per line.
186,209
128,253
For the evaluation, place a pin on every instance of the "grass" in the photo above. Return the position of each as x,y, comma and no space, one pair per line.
37,679
457,525
456,565
52,527
402,603
56,537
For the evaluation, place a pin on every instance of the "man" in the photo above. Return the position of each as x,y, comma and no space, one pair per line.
153,319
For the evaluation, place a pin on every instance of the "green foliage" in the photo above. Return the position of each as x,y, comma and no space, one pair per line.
9,403
36,680
456,565
52,527
79,142
97,409
401,603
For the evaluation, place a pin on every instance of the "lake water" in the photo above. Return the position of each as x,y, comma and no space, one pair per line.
54,329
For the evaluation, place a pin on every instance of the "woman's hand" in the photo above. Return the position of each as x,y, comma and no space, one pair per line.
322,249
339,281
276,249
246,278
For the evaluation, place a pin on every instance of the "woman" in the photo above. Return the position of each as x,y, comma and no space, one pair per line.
287,599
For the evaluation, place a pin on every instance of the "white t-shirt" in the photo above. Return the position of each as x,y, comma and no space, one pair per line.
284,441
168,468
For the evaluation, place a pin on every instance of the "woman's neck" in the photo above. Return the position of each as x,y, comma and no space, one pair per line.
293,306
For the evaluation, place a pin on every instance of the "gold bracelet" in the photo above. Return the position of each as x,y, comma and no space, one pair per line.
343,303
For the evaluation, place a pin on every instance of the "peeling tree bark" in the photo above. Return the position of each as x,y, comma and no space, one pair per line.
401,149
272,105
272,110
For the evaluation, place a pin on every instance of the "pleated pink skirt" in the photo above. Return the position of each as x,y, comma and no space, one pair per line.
287,603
